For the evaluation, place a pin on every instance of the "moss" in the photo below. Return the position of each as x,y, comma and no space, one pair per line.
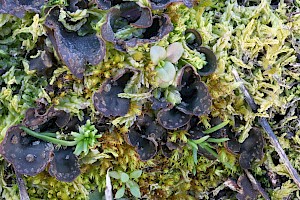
260,42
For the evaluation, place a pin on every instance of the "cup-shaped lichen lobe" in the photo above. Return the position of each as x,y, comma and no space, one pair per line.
74,5
64,166
136,16
145,148
106,99
196,129
172,118
195,97
145,135
131,25
252,148
211,61
195,100
74,50
52,118
107,4
27,154
41,58
18,8
163,4
193,38
158,104
160,27
247,191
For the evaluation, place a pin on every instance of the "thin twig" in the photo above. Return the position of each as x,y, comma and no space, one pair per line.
247,95
256,185
108,189
22,187
273,139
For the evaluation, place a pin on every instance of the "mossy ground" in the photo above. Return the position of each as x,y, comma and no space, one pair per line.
260,41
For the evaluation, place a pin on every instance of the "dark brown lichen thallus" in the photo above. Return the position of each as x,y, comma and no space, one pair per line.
74,50
43,61
252,148
18,8
163,4
155,27
145,135
195,100
232,145
107,4
74,5
195,96
27,154
64,166
172,118
160,27
194,42
145,148
195,132
246,190
211,62
49,120
129,13
193,38
106,99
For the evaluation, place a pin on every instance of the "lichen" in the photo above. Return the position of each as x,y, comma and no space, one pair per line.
259,40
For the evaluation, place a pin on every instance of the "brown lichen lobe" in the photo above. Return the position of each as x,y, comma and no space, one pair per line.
155,27
246,189
18,8
145,135
162,4
64,166
195,100
74,50
194,42
27,154
106,99
252,148
34,118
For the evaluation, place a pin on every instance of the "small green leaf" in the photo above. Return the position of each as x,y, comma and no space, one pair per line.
215,128
120,192
194,170
134,189
124,177
209,149
77,136
217,140
79,148
192,144
195,156
85,147
199,141
114,174
95,195
136,174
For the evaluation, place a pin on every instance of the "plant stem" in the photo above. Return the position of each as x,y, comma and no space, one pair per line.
49,134
47,138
